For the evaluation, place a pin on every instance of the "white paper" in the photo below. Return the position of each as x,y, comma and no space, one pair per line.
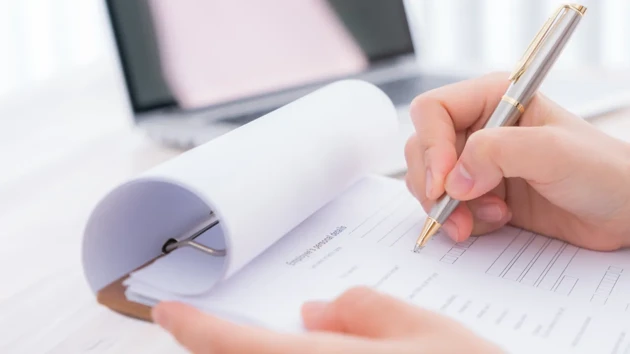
523,291
261,180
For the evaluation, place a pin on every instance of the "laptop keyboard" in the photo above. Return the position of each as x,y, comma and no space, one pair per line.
244,119
401,92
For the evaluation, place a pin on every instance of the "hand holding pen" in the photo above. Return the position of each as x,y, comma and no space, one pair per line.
533,176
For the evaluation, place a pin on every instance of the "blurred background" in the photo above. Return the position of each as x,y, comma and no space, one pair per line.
68,133
60,84
493,33
43,40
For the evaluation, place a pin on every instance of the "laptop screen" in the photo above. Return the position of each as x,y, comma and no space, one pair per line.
195,54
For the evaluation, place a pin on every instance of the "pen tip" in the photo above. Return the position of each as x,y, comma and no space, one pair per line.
431,226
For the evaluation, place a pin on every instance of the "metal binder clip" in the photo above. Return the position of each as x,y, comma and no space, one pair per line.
173,244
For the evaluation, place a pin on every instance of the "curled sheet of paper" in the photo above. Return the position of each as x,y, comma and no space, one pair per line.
260,180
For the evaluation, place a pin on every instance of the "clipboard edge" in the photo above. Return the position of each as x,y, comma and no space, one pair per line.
113,297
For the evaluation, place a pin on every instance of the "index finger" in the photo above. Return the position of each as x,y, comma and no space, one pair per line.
458,106
440,118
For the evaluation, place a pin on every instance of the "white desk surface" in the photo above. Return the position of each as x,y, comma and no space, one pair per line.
53,172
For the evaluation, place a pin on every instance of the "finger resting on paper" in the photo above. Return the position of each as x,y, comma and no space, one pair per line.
202,333
365,312
490,213
199,332
475,217
459,224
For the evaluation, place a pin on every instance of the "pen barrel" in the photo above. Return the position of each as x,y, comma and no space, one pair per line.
443,208
523,89
505,114
518,95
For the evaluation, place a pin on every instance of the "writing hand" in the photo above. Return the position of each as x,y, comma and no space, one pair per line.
555,174
359,321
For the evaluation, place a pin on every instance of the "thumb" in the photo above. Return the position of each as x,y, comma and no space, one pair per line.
536,154
365,312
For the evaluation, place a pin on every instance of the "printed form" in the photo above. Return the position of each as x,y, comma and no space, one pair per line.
516,288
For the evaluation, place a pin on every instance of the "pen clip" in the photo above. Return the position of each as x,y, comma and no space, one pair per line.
539,39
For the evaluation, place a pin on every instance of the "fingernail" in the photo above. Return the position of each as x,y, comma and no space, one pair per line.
160,316
450,229
314,309
489,212
460,181
429,180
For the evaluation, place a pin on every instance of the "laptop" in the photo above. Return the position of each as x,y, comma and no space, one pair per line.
195,70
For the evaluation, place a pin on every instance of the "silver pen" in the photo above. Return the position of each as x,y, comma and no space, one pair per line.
526,79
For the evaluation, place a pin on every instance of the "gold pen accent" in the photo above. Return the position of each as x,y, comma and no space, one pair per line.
579,8
538,40
514,103
564,19
431,226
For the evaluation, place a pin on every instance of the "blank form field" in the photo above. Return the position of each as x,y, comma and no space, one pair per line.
557,267
606,285
538,261
511,252
448,259
457,250
615,270
566,285
534,274
526,258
